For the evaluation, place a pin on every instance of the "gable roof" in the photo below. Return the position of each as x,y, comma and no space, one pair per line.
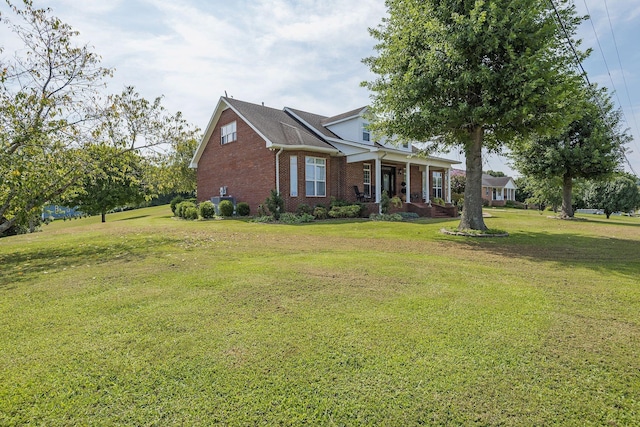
344,116
276,127
495,181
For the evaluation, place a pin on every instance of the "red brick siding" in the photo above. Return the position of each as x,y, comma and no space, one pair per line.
245,166
334,177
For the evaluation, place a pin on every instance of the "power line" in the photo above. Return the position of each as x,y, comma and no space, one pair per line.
624,79
584,73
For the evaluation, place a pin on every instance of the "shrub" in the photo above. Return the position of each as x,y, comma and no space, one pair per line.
396,202
338,203
191,212
303,208
385,202
351,211
409,215
174,202
181,209
243,209
275,204
438,201
225,207
206,209
291,218
385,217
263,218
320,212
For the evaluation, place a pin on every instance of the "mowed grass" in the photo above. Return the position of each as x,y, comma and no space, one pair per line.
146,320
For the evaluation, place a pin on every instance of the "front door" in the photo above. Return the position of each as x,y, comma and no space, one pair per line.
389,180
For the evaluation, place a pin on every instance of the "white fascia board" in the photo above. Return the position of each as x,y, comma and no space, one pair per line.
355,116
304,148
220,107
362,157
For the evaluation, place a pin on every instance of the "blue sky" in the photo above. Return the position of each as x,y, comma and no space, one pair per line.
304,54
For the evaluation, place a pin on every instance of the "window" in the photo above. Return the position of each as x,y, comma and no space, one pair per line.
366,135
437,185
367,180
293,176
228,133
316,177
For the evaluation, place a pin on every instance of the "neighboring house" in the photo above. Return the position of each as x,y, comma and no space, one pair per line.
498,190
249,149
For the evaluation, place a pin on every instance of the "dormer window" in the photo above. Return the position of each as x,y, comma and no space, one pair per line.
228,133
366,136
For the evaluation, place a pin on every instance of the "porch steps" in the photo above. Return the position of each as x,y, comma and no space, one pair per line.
433,211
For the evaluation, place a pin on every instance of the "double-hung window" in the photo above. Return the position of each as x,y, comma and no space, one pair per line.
437,185
366,135
316,177
228,133
367,179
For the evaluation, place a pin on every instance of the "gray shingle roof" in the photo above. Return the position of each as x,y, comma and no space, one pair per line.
494,181
342,116
276,125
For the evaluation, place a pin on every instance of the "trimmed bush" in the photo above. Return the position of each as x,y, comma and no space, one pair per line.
206,209
275,204
351,211
320,212
181,209
291,218
225,207
409,215
303,208
174,202
191,212
243,209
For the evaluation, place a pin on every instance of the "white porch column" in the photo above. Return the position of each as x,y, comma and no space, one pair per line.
426,189
378,182
449,185
408,182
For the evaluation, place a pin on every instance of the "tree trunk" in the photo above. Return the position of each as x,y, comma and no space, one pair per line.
567,189
472,210
104,216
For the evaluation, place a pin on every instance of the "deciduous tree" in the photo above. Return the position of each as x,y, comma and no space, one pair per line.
48,98
591,147
619,194
472,74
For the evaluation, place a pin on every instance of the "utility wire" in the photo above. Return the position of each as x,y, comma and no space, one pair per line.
580,67
624,79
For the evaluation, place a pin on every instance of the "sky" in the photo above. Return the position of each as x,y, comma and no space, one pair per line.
304,54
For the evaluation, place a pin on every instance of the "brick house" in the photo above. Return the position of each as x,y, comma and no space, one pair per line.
498,190
248,150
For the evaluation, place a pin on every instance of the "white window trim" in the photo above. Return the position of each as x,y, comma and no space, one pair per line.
437,189
316,165
366,185
293,176
366,134
228,133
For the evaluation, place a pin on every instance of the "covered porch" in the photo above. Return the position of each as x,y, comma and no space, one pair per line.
420,182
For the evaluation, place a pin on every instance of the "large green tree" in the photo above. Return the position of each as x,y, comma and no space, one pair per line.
48,97
617,194
592,146
117,180
473,74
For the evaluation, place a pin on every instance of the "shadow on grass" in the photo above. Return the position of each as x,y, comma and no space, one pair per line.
24,265
132,217
603,254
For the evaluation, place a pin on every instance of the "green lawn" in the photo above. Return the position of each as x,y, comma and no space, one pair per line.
147,320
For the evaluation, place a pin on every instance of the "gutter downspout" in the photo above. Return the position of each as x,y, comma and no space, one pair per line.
278,169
